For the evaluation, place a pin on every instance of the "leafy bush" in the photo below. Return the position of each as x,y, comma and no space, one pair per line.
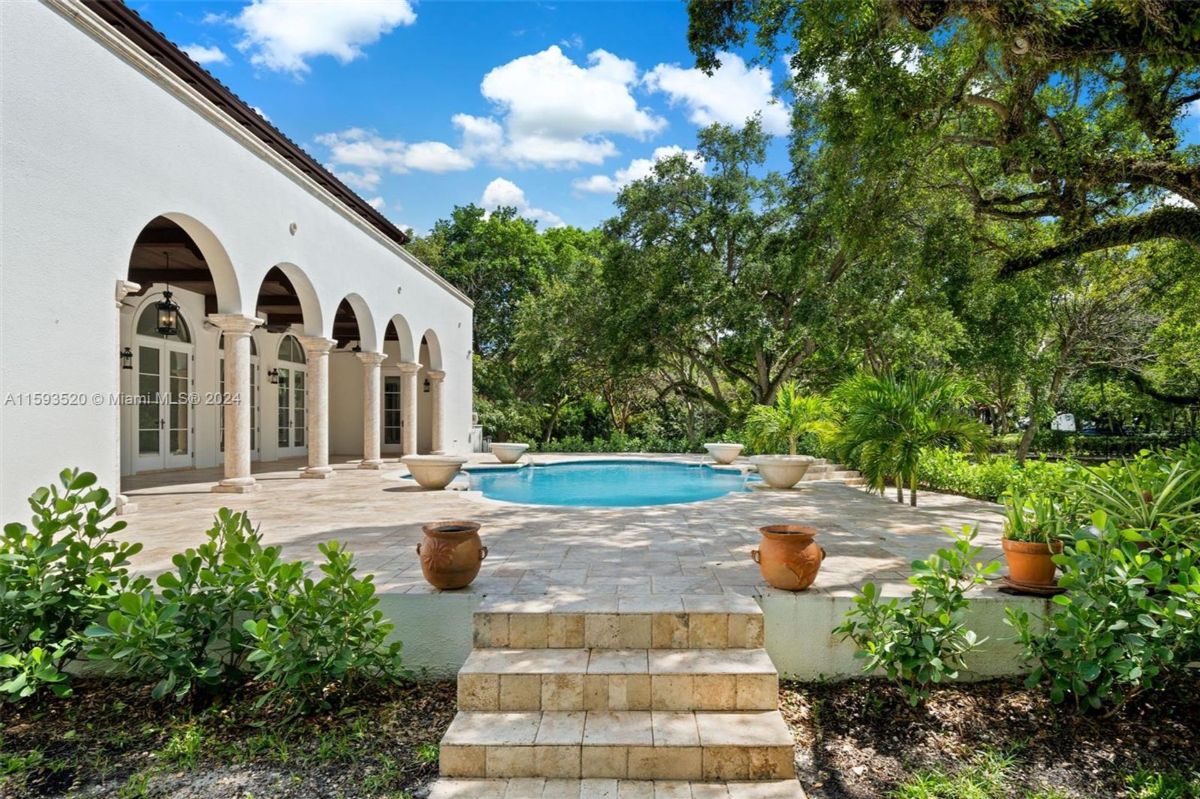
794,415
322,635
1039,517
233,609
618,443
1148,492
921,640
951,470
57,577
1130,614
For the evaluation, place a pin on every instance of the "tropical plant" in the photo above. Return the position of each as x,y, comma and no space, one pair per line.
890,422
1036,518
921,640
57,577
1146,493
1130,616
792,417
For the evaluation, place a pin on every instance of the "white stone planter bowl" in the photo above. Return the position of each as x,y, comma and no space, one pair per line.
781,471
509,453
433,472
723,453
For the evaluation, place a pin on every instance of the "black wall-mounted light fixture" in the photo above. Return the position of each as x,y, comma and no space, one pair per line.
168,311
273,376
126,358
427,385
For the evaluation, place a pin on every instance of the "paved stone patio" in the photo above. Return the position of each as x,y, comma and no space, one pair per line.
699,548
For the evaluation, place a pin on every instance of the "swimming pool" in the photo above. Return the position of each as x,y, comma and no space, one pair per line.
607,484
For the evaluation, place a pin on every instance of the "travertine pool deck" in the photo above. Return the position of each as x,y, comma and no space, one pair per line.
698,548
612,558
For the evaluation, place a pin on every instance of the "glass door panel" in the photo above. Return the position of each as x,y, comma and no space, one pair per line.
391,411
149,414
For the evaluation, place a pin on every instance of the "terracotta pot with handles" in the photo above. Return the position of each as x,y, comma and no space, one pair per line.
451,554
788,557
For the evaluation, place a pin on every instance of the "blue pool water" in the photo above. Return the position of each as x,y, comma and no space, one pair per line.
607,484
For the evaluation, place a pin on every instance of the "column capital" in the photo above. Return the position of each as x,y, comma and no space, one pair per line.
435,375
316,345
234,323
407,368
371,358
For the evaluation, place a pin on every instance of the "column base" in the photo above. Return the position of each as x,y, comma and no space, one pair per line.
373,463
124,506
236,485
317,473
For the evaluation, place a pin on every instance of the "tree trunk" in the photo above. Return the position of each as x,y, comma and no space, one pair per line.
1026,440
912,489
899,489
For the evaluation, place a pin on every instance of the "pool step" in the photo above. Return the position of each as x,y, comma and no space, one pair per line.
719,621
539,788
618,679
640,745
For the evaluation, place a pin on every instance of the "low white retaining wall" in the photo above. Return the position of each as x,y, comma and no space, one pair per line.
437,633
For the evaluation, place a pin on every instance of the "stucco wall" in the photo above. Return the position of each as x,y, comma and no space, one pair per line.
93,149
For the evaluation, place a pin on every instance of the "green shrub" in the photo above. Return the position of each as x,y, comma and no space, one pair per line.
1129,617
317,636
56,577
233,609
921,640
953,471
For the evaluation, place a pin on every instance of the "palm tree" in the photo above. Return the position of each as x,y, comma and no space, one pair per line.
793,416
890,421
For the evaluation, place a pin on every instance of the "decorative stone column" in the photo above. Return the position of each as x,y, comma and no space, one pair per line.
316,353
236,330
124,289
408,407
435,378
371,419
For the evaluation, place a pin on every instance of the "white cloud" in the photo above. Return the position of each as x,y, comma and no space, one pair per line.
205,55
365,180
638,168
557,113
282,35
367,153
502,193
260,112
377,203
1174,200
730,96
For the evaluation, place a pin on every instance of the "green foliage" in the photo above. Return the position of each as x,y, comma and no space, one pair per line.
1038,517
791,418
316,636
889,423
986,776
56,577
921,640
1129,617
954,471
1149,492
1147,784
234,608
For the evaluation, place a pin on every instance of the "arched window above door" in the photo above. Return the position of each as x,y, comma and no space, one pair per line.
291,351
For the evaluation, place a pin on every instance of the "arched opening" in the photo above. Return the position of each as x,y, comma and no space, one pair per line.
354,332
288,306
184,273
430,358
398,347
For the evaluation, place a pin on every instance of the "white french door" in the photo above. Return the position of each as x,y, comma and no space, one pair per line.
165,425
392,417
291,422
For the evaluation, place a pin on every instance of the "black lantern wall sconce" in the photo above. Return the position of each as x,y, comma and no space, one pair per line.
126,358
273,376
168,311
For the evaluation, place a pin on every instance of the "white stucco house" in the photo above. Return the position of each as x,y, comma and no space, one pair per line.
132,182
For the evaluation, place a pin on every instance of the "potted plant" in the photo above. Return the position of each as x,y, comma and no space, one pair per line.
788,558
1032,527
783,424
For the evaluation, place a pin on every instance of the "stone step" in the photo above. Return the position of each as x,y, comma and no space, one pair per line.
618,679
539,788
640,745
655,621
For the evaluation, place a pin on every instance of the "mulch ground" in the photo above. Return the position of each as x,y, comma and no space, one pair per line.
857,740
860,739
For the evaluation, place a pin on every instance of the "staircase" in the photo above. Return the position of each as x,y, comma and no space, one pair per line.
638,697
821,469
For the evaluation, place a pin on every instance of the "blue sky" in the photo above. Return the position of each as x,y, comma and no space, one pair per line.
549,106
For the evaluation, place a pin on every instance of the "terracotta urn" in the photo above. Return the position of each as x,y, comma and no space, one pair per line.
723,453
509,452
788,557
451,554
781,471
433,472
1029,562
